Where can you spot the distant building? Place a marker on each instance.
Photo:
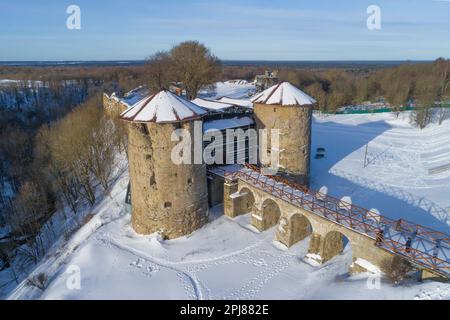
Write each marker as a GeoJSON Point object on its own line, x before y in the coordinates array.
{"type": "Point", "coordinates": [177, 88]}
{"type": "Point", "coordinates": [266, 80]}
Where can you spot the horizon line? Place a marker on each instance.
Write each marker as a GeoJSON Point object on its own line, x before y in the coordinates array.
{"type": "Point", "coordinates": [251, 60]}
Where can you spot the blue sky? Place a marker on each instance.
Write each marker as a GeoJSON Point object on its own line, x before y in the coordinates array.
{"type": "Point", "coordinates": [233, 29]}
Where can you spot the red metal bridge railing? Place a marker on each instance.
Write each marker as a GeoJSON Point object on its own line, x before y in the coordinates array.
{"type": "Point", "coordinates": [424, 246]}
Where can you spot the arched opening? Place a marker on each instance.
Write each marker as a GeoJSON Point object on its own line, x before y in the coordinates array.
{"type": "Point", "coordinates": [246, 201]}
{"type": "Point", "coordinates": [335, 243]}
{"type": "Point", "coordinates": [271, 213]}
{"type": "Point", "coordinates": [300, 228]}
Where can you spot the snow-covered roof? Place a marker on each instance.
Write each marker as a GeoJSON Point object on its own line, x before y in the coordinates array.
{"type": "Point", "coordinates": [284, 94]}
{"type": "Point", "coordinates": [212, 104]}
{"type": "Point", "coordinates": [132, 97]}
{"type": "Point", "coordinates": [238, 102]}
{"type": "Point", "coordinates": [222, 124]}
{"type": "Point", "coordinates": [161, 107]}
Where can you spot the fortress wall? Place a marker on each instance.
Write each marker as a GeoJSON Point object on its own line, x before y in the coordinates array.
{"type": "Point", "coordinates": [294, 123]}
{"type": "Point", "coordinates": [166, 197]}
{"type": "Point", "coordinates": [112, 106]}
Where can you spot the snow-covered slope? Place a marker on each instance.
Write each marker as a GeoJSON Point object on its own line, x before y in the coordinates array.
{"type": "Point", "coordinates": [228, 259]}
{"type": "Point", "coordinates": [396, 178]}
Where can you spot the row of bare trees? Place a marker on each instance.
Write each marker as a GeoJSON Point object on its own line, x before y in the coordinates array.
{"type": "Point", "coordinates": [74, 162]}
{"type": "Point", "coordinates": [79, 152]}
{"type": "Point", "coordinates": [423, 85]}
{"type": "Point", "coordinates": [49, 160]}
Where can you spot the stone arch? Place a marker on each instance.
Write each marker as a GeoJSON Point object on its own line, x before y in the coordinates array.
{"type": "Point", "coordinates": [246, 200]}
{"type": "Point", "coordinates": [293, 228]}
{"type": "Point", "coordinates": [299, 227]}
{"type": "Point", "coordinates": [334, 244]}
{"type": "Point", "coordinates": [271, 213]}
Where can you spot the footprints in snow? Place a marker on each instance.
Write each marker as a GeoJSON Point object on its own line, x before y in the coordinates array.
{"type": "Point", "coordinates": [146, 267]}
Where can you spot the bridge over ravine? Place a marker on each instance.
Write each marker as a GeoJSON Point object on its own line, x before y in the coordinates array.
{"type": "Point", "coordinates": [298, 212]}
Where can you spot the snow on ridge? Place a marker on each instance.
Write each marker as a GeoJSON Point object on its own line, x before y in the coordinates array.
{"type": "Point", "coordinates": [284, 94]}
{"type": "Point", "coordinates": [212, 104]}
{"type": "Point", "coordinates": [238, 102]}
{"type": "Point", "coordinates": [221, 124]}
{"type": "Point", "coordinates": [134, 96]}
{"type": "Point", "coordinates": [163, 106]}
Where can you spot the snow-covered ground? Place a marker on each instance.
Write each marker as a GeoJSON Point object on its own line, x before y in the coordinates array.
{"type": "Point", "coordinates": [396, 178]}
{"type": "Point", "coordinates": [228, 259]}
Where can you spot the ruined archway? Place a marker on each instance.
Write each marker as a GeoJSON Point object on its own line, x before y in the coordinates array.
{"type": "Point", "coordinates": [334, 244]}
{"type": "Point", "coordinates": [270, 213]}
{"type": "Point", "coordinates": [246, 201]}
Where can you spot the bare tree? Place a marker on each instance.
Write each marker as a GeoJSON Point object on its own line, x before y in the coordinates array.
{"type": "Point", "coordinates": [195, 66]}
{"type": "Point", "coordinates": [31, 210]}
{"type": "Point", "coordinates": [102, 153]}
{"type": "Point", "coordinates": [39, 281]}
{"type": "Point", "coordinates": [82, 151]}
{"type": "Point", "coordinates": [316, 91]}
{"type": "Point", "coordinates": [425, 95]}
{"type": "Point", "coordinates": [442, 69]}
{"type": "Point", "coordinates": [158, 70]}
{"type": "Point", "coordinates": [396, 269]}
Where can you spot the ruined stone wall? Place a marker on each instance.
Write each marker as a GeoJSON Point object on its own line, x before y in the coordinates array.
{"type": "Point", "coordinates": [112, 106]}
{"type": "Point", "coordinates": [165, 197]}
{"type": "Point", "coordinates": [294, 123]}
{"type": "Point", "coordinates": [215, 190]}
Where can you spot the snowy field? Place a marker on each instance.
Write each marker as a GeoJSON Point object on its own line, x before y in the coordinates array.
{"type": "Point", "coordinates": [396, 178]}
{"type": "Point", "coordinates": [237, 89]}
{"type": "Point", "coordinates": [227, 259]}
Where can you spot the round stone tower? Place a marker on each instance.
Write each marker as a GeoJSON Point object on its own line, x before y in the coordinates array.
{"type": "Point", "coordinates": [165, 197]}
{"type": "Point", "coordinates": [288, 109]}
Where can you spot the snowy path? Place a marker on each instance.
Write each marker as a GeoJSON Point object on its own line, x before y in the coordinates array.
{"type": "Point", "coordinates": [192, 280]}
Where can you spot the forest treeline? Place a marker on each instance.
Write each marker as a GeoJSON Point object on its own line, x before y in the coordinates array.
{"type": "Point", "coordinates": [423, 85]}
{"type": "Point", "coordinates": [57, 150]}
{"type": "Point", "coordinates": [74, 160]}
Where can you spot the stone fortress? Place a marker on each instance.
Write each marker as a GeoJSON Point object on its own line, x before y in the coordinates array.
{"type": "Point", "coordinates": [174, 199]}
{"type": "Point", "coordinates": [166, 197]}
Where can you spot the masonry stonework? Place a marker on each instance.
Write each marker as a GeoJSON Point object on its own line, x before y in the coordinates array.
{"type": "Point", "coordinates": [166, 197]}
{"type": "Point", "coordinates": [112, 106]}
{"type": "Point", "coordinates": [295, 224]}
{"type": "Point", "coordinates": [294, 123]}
